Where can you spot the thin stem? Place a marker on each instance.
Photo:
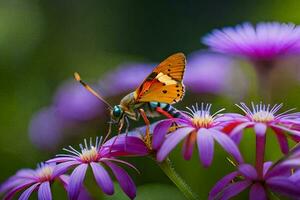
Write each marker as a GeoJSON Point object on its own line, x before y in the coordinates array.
{"type": "Point", "coordinates": [260, 154]}
{"type": "Point", "coordinates": [263, 71]}
{"type": "Point", "coordinates": [169, 170]}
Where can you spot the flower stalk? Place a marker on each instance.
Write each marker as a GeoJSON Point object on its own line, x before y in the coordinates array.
{"type": "Point", "coordinates": [168, 169]}
{"type": "Point", "coordinates": [260, 154]}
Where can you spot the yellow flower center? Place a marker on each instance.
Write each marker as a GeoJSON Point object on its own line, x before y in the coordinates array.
{"type": "Point", "coordinates": [203, 121]}
{"type": "Point", "coordinates": [89, 155]}
{"type": "Point", "coordinates": [263, 116]}
{"type": "Point", "coordinates": [45, 173]}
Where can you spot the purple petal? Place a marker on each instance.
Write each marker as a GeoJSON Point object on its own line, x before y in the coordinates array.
{"type": "Point", "coordinates": [188, 145]}
{"type": "Point", "coordinates": [228, 145]}
{"type": "Point", "coordinates": [171, 141]}
{"type": "Point", "coordinates": [44, 192]}
{"type": "Point", "coordinates": [13, 191]}
{"type": "Point", "coordinates": [296, 177]}
{"type": "Point", "coordinates": [76, 180]}
{"type": "Point", "coordinates": [63, 167]}
{"type": "Point", "coordinates": [26, 194]}
{"type": "Point", "coordinates": [159, 132]}
{"type": "Point", "coordinates": [83, 195]}
{"type": "Point", "coordinates": [257, 192]}
{"type": "Point", "coordinates": [248, 171]}
{"type": "Point", "coordinates": [284, 186]}
{"type": "Point", "coordinates": [240, 128]}
{"type": "Point", "coordinates": [234, 189]}
{"type": "Point", "coordinates": [282, 140]}
{"type": "Point", "coordinates": [278, 170]}
{"type": "Point", "coordinates": [124, 145]}
{"type": "Point", "coordinates": [267, 166]}
{"type": "Point", "coordinates": [102, 178]}
{"type": "Point", "coordinates": [290, 131]}
{"type": "Point", "coordinates": [260, 129]}
{"type": "Point", "coordinates": [205, 143]}
{"type": "Point", "coordinates": [124, 180]}
{"type": "Point", "coordinates": [60, 159]}
{"type": "Point", "coordinates": [10, 183]}
{"type": "Point", "coordinates": [221, 184]}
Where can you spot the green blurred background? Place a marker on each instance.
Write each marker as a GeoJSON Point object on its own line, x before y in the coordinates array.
{"type": "Point", "coordinates": [43, 42]}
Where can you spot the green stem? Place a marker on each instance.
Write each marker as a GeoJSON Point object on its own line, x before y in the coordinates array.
{"type": "Point", "coordinates": [169, 170]}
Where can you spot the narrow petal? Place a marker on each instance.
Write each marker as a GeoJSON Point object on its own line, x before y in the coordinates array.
{"type": "Point", "coordinates": [102, 178]}
{"type": "Point", "coordinates": [63, 167]}
{"type": "Point", "coordinates": [290, 131]}
{"type": "Point", "coordinates": [221, 184]}
{"type": "Point", "coordinates": [44, 192]}
{"type": "Point", "coordinates": [282, 140]}
{"type": "Point", "coordinates": [257, 192]}
{"type": "Point", "coordinates": [83, 195]}
{"type": "Point", "coordinates": [228, 145]}
{"type": "Point", "coordinates": [240, 128]}
{"type": "Point", "coordinates": [296, 177]}
{"type": "Point", "coordinates": [10, 183]}
{"type": "Point", "coordinates": [267, 166]}
{"type": "Point", "coordinates": [188, 145]}
{"type": "Point", "coordinates": [248, 171]}
{"type": "Point", "coordinates": [76, 180]}
{"type": "Point", "coordinates": [124, 180]}
{"type": "Point", "coordinates": [16, 189]}
{"type": "Point", "coordinates": [234, 189]}
{"type": "Point", "coordinates": [159, 132]}
{"type": "Point", "coordinates": [205, 143]}
{"type": "Point", "coordinates": [284, 186]}
{"type": "Point", "coordinates": [171, 141]}
{"type": "Point", "coordinates": [26, 194]}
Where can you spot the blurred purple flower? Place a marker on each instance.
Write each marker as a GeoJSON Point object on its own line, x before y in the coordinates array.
{"type": "Point", "coordinates": [39, 179]}
{"type": "Point", "coordinates": [199, 126]}
{"type": "Point", "coordinates": [74, 102]}
{"type": "Point", "coordinates": [46, 129]}
{"type": "Point", "coordinates": [97, 156]}
{"type": "Point", "coordinates": [262, 117]}
{"type": "Point", "coordinates": [275, 178]}
{"type": "Point", "coordinates": [127, 77]}
{"type": "Point", "coordinates": [213, 73]}
{"type": "Point", "coordinates": [265, 41]}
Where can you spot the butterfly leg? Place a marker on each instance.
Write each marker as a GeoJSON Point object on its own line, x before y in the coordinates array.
{"type": "Point", "coordinates": [147, 122]}
{"type": "Point", "coordinates": [126, 131]}
{"type": "Point", "coordinates": [119, 132]}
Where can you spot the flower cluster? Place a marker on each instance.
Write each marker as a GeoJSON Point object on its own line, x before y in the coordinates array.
{"type": "Point", "coordinates": [197, 127]}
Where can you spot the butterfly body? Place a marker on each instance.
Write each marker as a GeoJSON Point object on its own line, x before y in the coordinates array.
{"type": "Point", "coordinates": [162, 87]}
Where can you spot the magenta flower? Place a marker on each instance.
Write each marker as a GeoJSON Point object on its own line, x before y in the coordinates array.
{"type": "Point", "coordinates": [30, 180]}
{"type": "Point", "coordinates": [262, 117]}
{"type": "Point", "coordinates": [201, 76]}
{"type": "Point", "coordinates": [97, 157]}
{"type": "Point", "coordinates": [265, 41]}
{"type": "Point", "coordinates": [276, 178]}
{"type": "Point", "coordinates": [135, 73]}
{"type": "Point", "coordinates": [198, 126]}
{"type": "Point", "coordinates": [74, 103]}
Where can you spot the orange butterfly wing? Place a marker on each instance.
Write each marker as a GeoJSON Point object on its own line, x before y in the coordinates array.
{"type": "Point", "coordinates": [164, 84]}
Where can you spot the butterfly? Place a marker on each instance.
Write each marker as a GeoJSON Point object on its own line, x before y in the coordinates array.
{"type": "Point", "coordinates": [154, 97]}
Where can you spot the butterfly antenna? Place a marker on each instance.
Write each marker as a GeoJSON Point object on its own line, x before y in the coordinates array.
{"type": "Point", "coordinates": [91, 90]}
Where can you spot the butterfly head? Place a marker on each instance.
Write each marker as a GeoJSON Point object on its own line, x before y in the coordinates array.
{"type": "Point", "coordinates": [117, 113]}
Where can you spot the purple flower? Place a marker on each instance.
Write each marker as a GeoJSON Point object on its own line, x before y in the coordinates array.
{"type": "Point", "coordinates": [201, 74]}
{"type": "Point", "coordinates": [275, 179]}
{"type": "Point", "coordinates": [198, 126]}
{"type": "Point", "coordinates": [46, 124]}
{"type": "Point", "coordinates": [30, 180]}
{"type": "Point", "coordinates": [125, 78]}
{"type": "Point", "coordinates": [97, 157]}
{"type": "Point", "coordinates": [74, 102]}
{"type": "Point", "coordinates": [262, 117]}
{"type": "Point", "coordinates": [265, 41]}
